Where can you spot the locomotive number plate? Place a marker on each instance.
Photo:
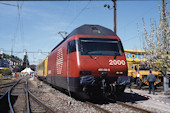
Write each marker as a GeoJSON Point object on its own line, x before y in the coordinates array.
{"type": "Point", "coordinates": [116, 62]}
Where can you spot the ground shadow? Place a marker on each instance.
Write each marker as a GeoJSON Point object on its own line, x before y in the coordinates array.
{"type": "Point", "coordinates": [131, 97]}
{"type": "Point", "coordinates": [4, 105]}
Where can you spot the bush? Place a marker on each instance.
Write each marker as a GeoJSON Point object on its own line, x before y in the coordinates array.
{"type": "Point", "coordinates": [7, 72]}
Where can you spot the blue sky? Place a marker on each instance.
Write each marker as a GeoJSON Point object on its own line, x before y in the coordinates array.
{"type": "Point", "coordinates": [35, 26]}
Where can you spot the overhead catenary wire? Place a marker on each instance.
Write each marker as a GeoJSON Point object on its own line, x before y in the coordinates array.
{"type": "Point", "coordinates": [134, 37]}
{"type": "Point", "coordinates": [61, 18]}
{"type": "Point", "coordinates": [77, 15]}
{"type": "Point", "coordinates": [27, 51]}
{"type": "Point", "coordinates": [8, 4]}
{"type": "Point", "coordinates": [137, 18]}
{"type": "Point", "coordinates": [70, 20]}
{"type": "Point", "coordinates": [73, 18]}
{"type": "Point", "coordinates": [63, 13]}
{"type": "Point", "coordinates": [18, 21]}
{"type": "Point", "coordinates": [20, 26]}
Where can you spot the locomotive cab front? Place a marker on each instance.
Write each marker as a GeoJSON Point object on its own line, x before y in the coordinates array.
{"type": "Point", "coordinates": [101, 65]}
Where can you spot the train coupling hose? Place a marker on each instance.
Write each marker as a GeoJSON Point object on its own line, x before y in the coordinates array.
{"type": "Point", "coordinates": [87, 80]}
{"type": "Point", "coordinates": [123, 80]}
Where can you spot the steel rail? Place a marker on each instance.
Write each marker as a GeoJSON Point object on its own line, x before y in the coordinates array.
{"type": "Point", "coordinates": [133, 107]}
{"type": "Point", "coordinates": [97, 107]}
{"type": "Point", "coordinates": [40, 102]}
{"type": "Point", "coordinates": [9, 94]}
{"type": "Point", "coordinates": [28, 105]}
{"type": "Point", "coordinates": [7, 85]}
{"type": "Point", "coordinates": [1, 97]}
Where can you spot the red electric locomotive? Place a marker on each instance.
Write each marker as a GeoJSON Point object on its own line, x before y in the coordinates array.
{"type": "Point", "coordinates": [90, 61]}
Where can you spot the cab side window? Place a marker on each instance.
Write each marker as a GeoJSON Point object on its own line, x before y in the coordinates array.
{"type": "Point", "coordinates": [71, 46]}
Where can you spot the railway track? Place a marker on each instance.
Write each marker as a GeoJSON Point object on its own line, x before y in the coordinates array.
{"type": "Point", "coordinates": [22, 100]}
{"type": "Point", "coordinates": [139, 110]}
{"type": "Point", "coordinates": [16, 97]}
{"type": "Point", "coordinates": [102, 110]}
{"type": "Point", "coordinates": [7, 84]}
{"type": "Point", "coordinates": [36, 105]}
{"type": "Point", "coordinates": [110, 107]}
{"type": "Point", "coordinates": [5, 87]}
{"type": "Point", "coordinates": [16, 100]}
{"type": "Point", "coordinates": [24, 103]}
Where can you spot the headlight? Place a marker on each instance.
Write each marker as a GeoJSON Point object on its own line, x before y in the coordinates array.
{"type": "Point", "coordinates": [119, 72]}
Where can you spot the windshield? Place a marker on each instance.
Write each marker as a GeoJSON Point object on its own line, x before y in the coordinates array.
{"type": "Point", "coordinates": [92, 46]}
{"type": "Point", "coordinates": [144, 67]}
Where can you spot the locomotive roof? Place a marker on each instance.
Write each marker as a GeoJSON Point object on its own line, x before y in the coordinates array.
{"type": "Point", "coordinates": [92, 30]}
{"type": "Point", "coordinates": [89, 30]}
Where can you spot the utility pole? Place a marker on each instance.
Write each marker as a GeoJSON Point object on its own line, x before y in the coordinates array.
{"type": "Point", "coordinates": [13, 39]}
{"type": "Point", "coordinates": [1, 52]}
{"type": "Point", "coordinates": [12, 63]}
{"type": "Point", "coordinates": [114, 14]}
{"type": "Point", "coordinates": [164, 32]}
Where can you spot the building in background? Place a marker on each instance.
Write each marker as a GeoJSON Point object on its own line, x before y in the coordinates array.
{"type": "Point", "coordinates": [4, 62]}
{"type": "Point", "coordinates": [11, 62]}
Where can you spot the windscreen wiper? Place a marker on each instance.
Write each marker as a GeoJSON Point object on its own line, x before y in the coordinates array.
{"type": "Point", "coordinates": [90, 56]}
{"type": "Point", "coordinates": [115, 56]}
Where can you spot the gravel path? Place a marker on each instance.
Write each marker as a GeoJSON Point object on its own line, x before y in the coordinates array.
{"type": "Point", "coordinates": [149, 102]}
{"type": "Point", "coordinates": [62, 102]}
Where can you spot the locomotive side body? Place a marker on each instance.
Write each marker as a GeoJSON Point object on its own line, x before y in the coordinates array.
{"type": "Point", "coordinates": [57, 66]}
{"type": "Point", "coordinates": [90, 60]}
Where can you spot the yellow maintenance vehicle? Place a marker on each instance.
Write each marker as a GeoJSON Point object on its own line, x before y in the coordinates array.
{"type": "Point", "coordinates": [139, 74]}
{"type": "Point", "coordinates": [139, 71]}
{"type": "Point", "coordinates": [2, 70]}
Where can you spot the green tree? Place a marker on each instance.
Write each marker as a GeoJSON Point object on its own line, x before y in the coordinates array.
{"type": "Point", "coordinates": [156, 45]}
{"type": "Point", "coordinates": [25, 61]}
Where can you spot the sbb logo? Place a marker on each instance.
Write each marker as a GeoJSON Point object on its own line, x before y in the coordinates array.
{"type": "Point", "coordinates": [116, 62]}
